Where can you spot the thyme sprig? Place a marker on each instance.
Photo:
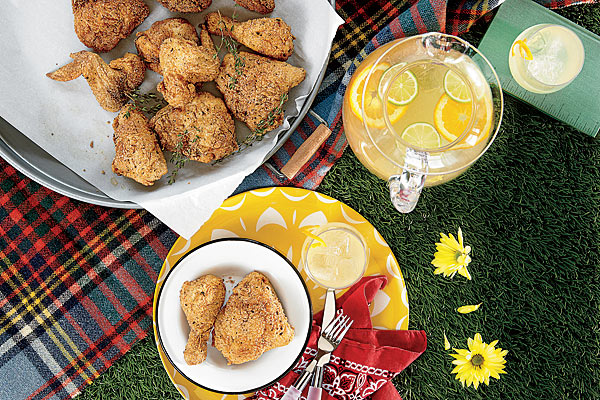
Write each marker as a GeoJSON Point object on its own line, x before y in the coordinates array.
{"type": "Point", "coordinates": [259, 132]}
{"type": "Point", "coordinates": [148, 103]}
{"type": "Point", "coordinates": [177, 158]}
{"type": "Point", "coordinates": [232, 47]}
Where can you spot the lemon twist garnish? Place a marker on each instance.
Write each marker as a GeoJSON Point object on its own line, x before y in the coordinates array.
{"type": "Point", "coordinates": [319, 241]}
{"type": "Point", "coordinates": [524, 50]}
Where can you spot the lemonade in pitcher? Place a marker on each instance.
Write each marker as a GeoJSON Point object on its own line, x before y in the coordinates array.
{"type": "Point", "coordinates": [419, 111]}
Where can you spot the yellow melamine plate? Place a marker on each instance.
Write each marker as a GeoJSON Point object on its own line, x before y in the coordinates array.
{"type": "Point", "coordinates": [276, 216]}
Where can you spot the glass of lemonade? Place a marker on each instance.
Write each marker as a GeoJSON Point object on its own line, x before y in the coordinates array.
{"type": "Point", "coordinates": [419, 111]}
{"type": "Point", "coordinates": [545, 58]}
{"type": "Point", "coordinates": [335, 255]}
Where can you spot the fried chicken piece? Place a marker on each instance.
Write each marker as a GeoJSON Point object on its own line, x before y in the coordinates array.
{"type": "Point", "coordinates": [259, 6]}
{"type": "Point", "coordinates": [270, 37]}
{"type": "Point", "coordinates": [183, 64]}
{"type": "Point", "coordinates": [187, 6]}
{"type": "Point", "coordinates": [258, 90]}
{"type": "Point", "coordinates": [137, 152]}
{"type": "Point", "coordinates": [109, 82]}
{"type": "Point", "coordinates": [101, 24]}
{"type": "Point", "coordinates": [148, 42]}
{"type": "Point", "coordinates": [200, 300]}
{"type": "Point", "coordinates": [202, 130]}
{"type": "Point", "coordinates": [252, 321]}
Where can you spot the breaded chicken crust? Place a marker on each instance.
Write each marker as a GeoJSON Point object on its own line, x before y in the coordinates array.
{"type": "Point", "coordinates": [101, 24]}
{"type": "Point", "coordinates": [253, 321]}
{"type": "Point", "coordinates": [201, 301]}
{"type": "Point", "coordinates": [183, 64]}
{"type": "Point", "coordinates": [259, 6]}
{"type": "Point", "coordinates": [148, 42]}
{"type": "Point", "coordinates": [257, 91]}
{"type": "Point", "coordinates": [110, 83]}
{"type": "Point", "coordinates": [137, 152]}
{"type": "Point", "coordinates": [186, 6]}
{"type": "Point", "coordinates": [201, 130]}
{"type": "Point", "coordinates": [271, 37]}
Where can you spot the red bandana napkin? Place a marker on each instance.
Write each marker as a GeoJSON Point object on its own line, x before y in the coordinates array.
{"type": "Point", "coordinates": [365, 362]}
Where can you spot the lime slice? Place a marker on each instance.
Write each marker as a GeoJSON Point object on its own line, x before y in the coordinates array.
{"type": "Point", "coordinates": [456, 88]}
{"type": "Point", "coordinates": [387, 77]}
{"type": "Point", "coordinates": [403, 90]}
{"type": "Point", "coordinates": [422, 134]}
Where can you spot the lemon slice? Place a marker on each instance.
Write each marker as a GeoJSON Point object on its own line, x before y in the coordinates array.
{"type": "Point", "coordinates": [373, 105]}
{"type": "Point", "coordinates": [387, 77]}
{"type": "Point", "coordinates": [456, 88]}
{"type": "Point", "coordinates": [422, 134]}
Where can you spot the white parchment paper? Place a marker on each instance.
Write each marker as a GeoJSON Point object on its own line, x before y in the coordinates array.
{"type": "Point", "coordinates": [63, 118]}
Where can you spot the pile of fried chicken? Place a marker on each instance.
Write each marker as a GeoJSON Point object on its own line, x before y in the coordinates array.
{"type": "Point", "coordinates": [196, 124]}
{"type": "Point", "coordinates": [253, 320]}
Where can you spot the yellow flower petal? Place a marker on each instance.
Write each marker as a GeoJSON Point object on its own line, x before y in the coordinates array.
{"type": "Point", "coordinates": [468, 309]}
{"type": "Point", "coordinates": [446, 343]}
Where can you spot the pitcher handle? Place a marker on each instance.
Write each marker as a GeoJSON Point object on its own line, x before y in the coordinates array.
{"type": "Point", "coordinates": [405, 188]}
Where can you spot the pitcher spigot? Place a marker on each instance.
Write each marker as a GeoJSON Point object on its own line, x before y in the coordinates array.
{"type": "Point", "coordinates": [405, 188]}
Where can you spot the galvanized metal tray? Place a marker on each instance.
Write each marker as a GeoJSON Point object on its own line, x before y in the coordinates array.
{"type": "Point", "coordinates": [38, 165]}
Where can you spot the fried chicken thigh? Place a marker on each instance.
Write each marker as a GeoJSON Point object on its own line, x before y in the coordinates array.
{"type": "Point", "coordinates": [101, 24]}
{"type": "Point", "coordinates": [187, 6]}
{"type": "Point", "coordinates": [200, 300]}
{"type": "Point", "coordinates": [252, 321]}
{"type": "Point", "coordinates": [258, 90]}
{"type": "Point", "coordinates": [270, 37]}
{"type": "Point", "coordinates": [201, 130]}
{"type": "Point", "coordinates": [148, 42]}
{"type": "Point", "coordinates": [137, 152]}
{"type": "Point", "coordinates": [259, 6]}
{"type": "Point", "coordinates": [183, 64]}
{"type": "Point", "coordinates": [109, 82]}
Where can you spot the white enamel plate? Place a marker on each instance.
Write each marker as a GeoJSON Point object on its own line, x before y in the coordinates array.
{"type": "Point", "coordinates": [232, 259]}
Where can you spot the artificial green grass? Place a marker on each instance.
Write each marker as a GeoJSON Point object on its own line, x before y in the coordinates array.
{"type": "Point", "coordinates": [529, 209]}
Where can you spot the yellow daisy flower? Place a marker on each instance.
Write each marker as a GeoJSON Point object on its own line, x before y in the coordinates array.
{"type": "Point", "coordinates": [452, 256]}
{"type": "Point", "coordinates": [476, 365]}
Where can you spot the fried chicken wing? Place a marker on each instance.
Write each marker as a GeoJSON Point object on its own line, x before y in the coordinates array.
{"type": "Point", "coordinates": [252, 322]}
{"type": "Point", "coordinates": [201, 130]}
{"type": "Point", "coordinates": [101, 24]}
{"type": "Point", "coordinates": [183, 64]}
{"type": "Point", "coordinates": [258, 90]}
{"type": "Point", "coordinates": [137, 152]}
{"type": "Point", "coordinates": [259, 6]}
{"type": "Point", "coordinates": [200, 300]}
{"type": "Point", "coordinates": [148, 42]}
{"type": "Point", "coordinates": [270, 37]}
{"type": "Point", "coordinates": [109, 82]}
{"type": "Point", "coordinates": [187, 6]}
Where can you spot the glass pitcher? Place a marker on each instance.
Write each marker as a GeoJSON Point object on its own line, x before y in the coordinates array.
{"type": "Point", "coordinates": [419, 111]}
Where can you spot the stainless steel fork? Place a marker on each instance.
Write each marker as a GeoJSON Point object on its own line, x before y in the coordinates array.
{"type": "Point", "coordinates": [333, 334]}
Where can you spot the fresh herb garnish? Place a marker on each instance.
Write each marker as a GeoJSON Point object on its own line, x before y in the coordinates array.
{"type": "Point", "coordinates": [148, 103]}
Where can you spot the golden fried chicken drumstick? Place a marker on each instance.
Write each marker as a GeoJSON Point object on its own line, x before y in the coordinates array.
{"type": "Point", "coordinates": [201, 300]}
{"type": "Point", "coordinates": [270, 37]}
{"type": "Point", "coordinates": [137, 152]}
{"type": "Point", "coordinates": [258, 90]}
{"type": "Point", "coordinates": [259, 6]}
{"type": "Point", "coordinates": [148, 42]}
{"type": "Point", "coordinates": [186, 6]}
{"type": "Point", "coordinates": [183, 64]}
{"type": "Point", "coordinates": [201, 130]}
{"type": "Point", "coordinates": [252, 321]}
{"type": "Point", "coordinates": [109, 82]}
{"type": "Point", "coordinates": [101, 24]}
